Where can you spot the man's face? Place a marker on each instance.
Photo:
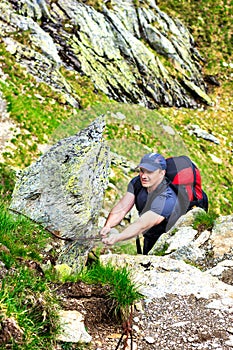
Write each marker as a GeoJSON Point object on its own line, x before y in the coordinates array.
{"type": "Point", "coordinates": [151, 179]}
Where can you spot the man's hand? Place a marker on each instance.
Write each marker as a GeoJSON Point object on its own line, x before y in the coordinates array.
{"type": "Point", "coordinates": [112, 239]}
{"type": "Point", "coordinates": [143, 223]}
{"type": "Point", "coordinates": [105, 230]}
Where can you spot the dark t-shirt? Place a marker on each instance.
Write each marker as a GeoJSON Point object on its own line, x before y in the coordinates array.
{"type": "Point", "coordinates": [164, 204]}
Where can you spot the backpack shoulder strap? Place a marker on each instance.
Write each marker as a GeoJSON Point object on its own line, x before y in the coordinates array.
{"type": "Point", "coordinates": [194, 181]}
{"type": "Point", "coordinates": [160, 189]}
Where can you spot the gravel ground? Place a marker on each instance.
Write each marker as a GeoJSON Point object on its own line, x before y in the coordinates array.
{"type": "Point", "coordinates": [169, 323]}
{"type": "Point", "coordinates": [178, 322]}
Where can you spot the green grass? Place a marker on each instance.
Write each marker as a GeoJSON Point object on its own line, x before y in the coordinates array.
{"type": "Point", "coordinates": [210, 23]}
{"type": "Point", "coordinates": [122, 292]}
{"type": "Point", "coordinates": [25, 295]}
{"type": "Point", "coordinates": [27, 300]}
{"type": "Point", "coordinates": [37, 108]}
{"type": "Point", "coordinates": [20, 237]}
{"type": "Point", "coordinates": [7, 182]}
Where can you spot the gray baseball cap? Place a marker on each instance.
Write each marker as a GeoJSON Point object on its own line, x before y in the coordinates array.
{"type": "Point", "coordinates": [152, 162]}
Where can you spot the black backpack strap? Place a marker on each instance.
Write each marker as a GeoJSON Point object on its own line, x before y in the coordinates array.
{"type": "Point", "coordinates": [200, 203]}
{"type": "Point", "coordinates": [194, 182]}
{"type": "Point", "coordinates": [138, 245]}
{"type": "Point", "coordinates": [137, 188]}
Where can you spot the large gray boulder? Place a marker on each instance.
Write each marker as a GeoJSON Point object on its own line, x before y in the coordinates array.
{"type": "Point", "coordinates": [63, 190]}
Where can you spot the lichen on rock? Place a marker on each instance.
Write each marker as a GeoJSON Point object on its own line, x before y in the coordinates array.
{"type": "Point", "coordinates": [63, 190]}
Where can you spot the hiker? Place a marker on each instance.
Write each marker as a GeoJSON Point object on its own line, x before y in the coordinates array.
{"type": "Point", "coordinates": [157, 204]}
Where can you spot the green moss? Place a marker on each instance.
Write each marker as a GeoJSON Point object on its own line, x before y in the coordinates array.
{"type": "Point", "coordinates": [96, 4]}
{"type": "Point", "coordinates": [173, 232]}
{"type": "Point", "coordinates": [162, 251]}
{"type": "Point", "coordinates": [84, 88]}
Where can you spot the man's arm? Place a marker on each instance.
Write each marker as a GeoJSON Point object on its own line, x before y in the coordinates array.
{"type": "Point", "coordinates": [144, 222]}
{"type": "Point", "coordinates": [118, 212]}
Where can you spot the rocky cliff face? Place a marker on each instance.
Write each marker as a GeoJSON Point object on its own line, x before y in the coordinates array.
{"type": "Point", "coordinates": [133, 54]}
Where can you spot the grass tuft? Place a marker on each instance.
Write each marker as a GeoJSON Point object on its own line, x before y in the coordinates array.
{"type": "Point", "coordinates": [123, 292]}
{"type": "Point", "coordinates": [204, 221]}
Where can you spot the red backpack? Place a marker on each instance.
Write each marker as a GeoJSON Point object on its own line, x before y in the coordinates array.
{"type": "Point", "coordinates": [185, 179]}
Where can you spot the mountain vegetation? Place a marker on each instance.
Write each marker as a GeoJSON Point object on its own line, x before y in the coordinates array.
{"type": "Point", "coordinates": [43, 117]}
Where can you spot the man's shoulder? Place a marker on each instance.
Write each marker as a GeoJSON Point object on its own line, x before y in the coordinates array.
{"type": "Point", "coordinates": [135, 185]}
{"type": "Point", "coordinates": [135, 179]}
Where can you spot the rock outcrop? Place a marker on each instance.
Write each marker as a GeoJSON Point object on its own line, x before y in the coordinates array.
{"type": "Point", "coordinates": [131, 53]}
{"type": "Point", "coordinates": [183, 242]}
{"type": "Point", "coordinates": [63, 190]}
